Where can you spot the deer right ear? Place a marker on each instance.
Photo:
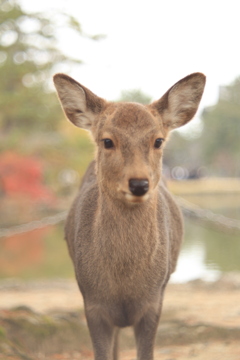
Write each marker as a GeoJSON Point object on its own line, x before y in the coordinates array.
{"type": "Point", "coordinates": [80, 105]}
{"type": "Point", "coordinates": [180, 102]}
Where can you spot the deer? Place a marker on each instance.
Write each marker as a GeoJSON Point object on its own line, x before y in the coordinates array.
{"type": "Point", "coordinates": [124, 230]}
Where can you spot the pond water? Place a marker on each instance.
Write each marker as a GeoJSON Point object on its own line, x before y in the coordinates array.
{"type": "Point", "coordinates": [206, 252]}
{"type": "Point", "coordinates": [209, 251]}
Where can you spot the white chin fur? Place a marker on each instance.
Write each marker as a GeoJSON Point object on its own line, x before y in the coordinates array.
{"type": "Point", "coordinates": [136, 199]}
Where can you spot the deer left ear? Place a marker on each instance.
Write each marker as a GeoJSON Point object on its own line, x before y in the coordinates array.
{"type": "Point", "coordinates": [80, 105]}
{"type": "Point", "coordinates": [180, 102]}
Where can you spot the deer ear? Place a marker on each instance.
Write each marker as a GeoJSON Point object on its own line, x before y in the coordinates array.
{"type": "Point", "coordinates": [80, 105]}
{"type": "Point", "coordinates": [180, 102]}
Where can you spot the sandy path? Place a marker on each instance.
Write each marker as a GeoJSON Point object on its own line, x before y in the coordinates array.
{"type": "Point", "coordinates": [216, 304]}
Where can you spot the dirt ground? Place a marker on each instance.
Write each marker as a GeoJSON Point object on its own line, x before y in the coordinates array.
{"type": "Point", "coordinates": [45, 320]}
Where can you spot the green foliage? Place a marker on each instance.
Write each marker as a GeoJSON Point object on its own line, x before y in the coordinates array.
{"type": "Point", "coordinates": [28, 56]}
{"type": "Point", "coordinates": [217, 149]}
{"type": "Point", "coordinates": [31, 119]}
{"type": "Point", "coordinates": [181, 151]}
{"type": "Point", "coordinates": [2, 333]}
{"type": "Point", "coordinates": [135, 95]}
{"type": "Point", "coordinates": [221, 133]}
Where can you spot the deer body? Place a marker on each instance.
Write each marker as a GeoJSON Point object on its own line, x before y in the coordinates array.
{"type": "Point", "coordinates": [130, 282]}
{"type": "Point", "coordinates": [124, 229]}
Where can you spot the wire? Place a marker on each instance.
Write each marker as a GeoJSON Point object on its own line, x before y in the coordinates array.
{"type": "Point", "coordinates": [189, 209]}
{"type": "Point", "coordinates": [33, 225]}
{"type": "Point", "coordinates": [218, 220]}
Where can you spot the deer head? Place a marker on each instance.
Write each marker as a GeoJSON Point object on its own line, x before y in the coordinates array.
{"type": "Point", "coordinates": [130, 137]}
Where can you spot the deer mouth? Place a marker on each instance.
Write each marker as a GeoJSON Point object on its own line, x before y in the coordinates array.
{"type": "Point", "coordinates": [136, 199]}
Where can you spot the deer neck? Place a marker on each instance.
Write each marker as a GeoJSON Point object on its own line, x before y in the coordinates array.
{"type": "Point", "coordinates": [126, 225]}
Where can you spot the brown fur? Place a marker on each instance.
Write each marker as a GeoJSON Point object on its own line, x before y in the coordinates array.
{"type": "Point", "coordinates": [124, 247]}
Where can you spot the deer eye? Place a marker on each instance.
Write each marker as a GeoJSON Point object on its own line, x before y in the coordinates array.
{"type": "Point", "coordinates": [158, 143]}
{"type": "Point", "coordinates": [108, 143]}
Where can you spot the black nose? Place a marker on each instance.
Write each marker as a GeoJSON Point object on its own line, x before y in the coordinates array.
{"type": "Point", "coordinates": [138, 187]}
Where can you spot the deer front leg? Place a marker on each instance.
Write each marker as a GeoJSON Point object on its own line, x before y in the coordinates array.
{"type": "Point", "coordinates": [102, 335]}
{"type": "Point", "coordinates": [145, 332]}
{"type": "Point", "coordinates": [115, 344]}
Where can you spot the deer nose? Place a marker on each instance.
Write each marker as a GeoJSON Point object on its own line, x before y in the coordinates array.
{"type": "Point", "coordinates": [138, 187]}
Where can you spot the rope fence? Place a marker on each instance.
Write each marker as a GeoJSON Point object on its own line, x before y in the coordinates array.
{"type": "Point", "coordinates": [33, 225]}
{"type": "Point", "coordinates": [219, 221]}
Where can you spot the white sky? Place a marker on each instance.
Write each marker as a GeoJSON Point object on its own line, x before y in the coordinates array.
{"type": "Point", "coordinates": [152, 44]}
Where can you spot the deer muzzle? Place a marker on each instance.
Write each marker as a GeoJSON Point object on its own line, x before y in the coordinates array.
{"type": "Point", "coordinates": [138, 187]}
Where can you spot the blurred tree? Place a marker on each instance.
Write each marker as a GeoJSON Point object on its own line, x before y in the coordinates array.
{"type": "Point", "coordinates": [135, 95]}
{"type": "Point", "coordinates": [184, 152]}
{"type": "Point", "coordinates": [216, 150]}
{"type": "Point", "coordinates": [28, 57]}
{"type": "Point", "coordinates": [221, 132]}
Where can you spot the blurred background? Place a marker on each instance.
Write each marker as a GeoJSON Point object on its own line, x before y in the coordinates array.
{"type": "Point", "coordinates": [129, 50]}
